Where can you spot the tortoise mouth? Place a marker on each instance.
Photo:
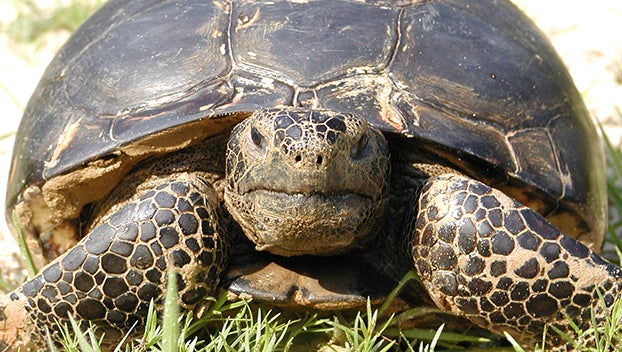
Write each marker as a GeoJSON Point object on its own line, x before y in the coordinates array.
{"type": "Point", "coordinates": [305, 196]}
{"type": "Point", "coordinates": [305, 223]}
{"type": "Point", "coordinates": [307, 190]}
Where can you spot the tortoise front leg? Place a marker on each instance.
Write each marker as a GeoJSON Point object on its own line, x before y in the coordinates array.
{"type": "Point", "coordinates": [112, 274]}
{"type": "Point", "coordinates": [484, 256]}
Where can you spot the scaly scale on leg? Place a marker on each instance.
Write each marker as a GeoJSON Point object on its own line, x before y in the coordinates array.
{"type": "Point", "coordinates": [110, 277]}
{"type": "Point", "coordinates": [485, 256]}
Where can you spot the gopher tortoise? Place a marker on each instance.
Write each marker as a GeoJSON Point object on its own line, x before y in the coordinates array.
{"type": "Point", "coordinates": [308, 154]}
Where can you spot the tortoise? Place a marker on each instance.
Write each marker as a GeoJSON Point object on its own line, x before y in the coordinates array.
{"type": "Point", "coordinates": [308, 155]}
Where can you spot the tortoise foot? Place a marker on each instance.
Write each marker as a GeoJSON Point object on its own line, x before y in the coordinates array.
{"type": "Point", "coordinates": [111, 275]}
{"type": "Point", "coordinates": [485, 256]}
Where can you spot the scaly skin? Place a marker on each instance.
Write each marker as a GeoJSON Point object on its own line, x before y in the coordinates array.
{"type": "Point", "coordinates": [170, 222]}
{"type": "Point", "coordinates": [307, 182]}
{"type": "Point", "coordinates": [488, 258]}
{"type": "Point", "coordinates": [312, 182]}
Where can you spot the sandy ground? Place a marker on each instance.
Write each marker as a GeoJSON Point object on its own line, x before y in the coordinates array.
{"type": "Point", "coordinates": [587, 36]}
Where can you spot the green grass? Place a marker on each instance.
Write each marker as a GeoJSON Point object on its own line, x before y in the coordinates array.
{"type": "Point", "coordinates": [235, 326]}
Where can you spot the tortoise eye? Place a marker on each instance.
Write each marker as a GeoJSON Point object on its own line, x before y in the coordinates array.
{"type": "Point", "coordinates": [257, 138]}
{"type": "Point", "coordinates": [360, 147]}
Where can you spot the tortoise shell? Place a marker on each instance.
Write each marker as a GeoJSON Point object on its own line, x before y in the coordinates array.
{"type": "Point", "coordinates": [473, 83]}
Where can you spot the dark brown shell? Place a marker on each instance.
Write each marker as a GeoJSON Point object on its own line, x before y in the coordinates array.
{"type": "Point", "coordinates": [472, 81]}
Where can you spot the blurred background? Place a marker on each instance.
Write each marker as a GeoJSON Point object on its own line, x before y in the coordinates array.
{"type": "Point", "coordinates": [588, 36]}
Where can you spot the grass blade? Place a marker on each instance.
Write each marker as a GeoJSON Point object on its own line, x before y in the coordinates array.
{"type": "Point", "coordinates": [23, 247]}
{"type": "Point", "coordinates": [170, 319]}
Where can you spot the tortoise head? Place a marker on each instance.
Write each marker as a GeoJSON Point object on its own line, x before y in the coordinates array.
{"type": "Point", "coordinates": [307, 181]}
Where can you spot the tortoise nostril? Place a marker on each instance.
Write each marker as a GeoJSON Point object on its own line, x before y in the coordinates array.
{"type": "Point", "coordinates": [319, 160]}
